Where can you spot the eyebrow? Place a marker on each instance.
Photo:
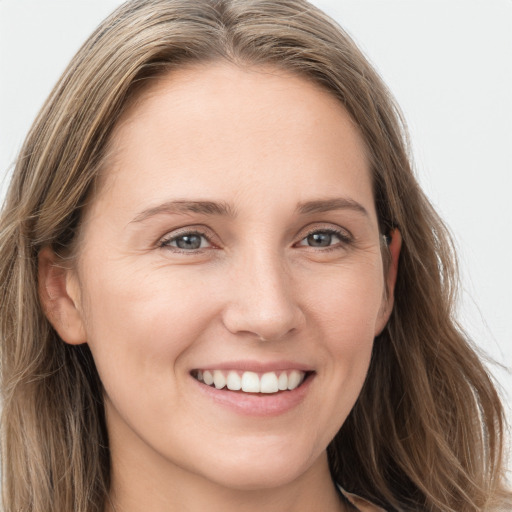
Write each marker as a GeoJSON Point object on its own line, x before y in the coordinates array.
{"type": "Point", "coordinates": [183, 206]}
{"type": "Point", "coordinates": [327, 205]}
{"type": "Point", "coordinates": [225, 209]}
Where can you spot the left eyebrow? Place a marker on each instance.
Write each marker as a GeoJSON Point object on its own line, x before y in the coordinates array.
{"type": "Point", "coordinates": [326, 205]}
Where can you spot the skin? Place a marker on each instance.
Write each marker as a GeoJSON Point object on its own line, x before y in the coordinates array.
{"type": "Point", "coordinates": [262, 142]}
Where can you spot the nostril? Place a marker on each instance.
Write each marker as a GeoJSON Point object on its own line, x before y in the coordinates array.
{"type": "Point", "coordinates": [267, 315]}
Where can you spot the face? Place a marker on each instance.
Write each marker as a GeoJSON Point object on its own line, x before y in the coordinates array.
{"type": "Point", "coordinates": [233, 239]}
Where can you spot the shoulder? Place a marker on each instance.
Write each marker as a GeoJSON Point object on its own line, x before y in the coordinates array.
{"type": "Point", "coordinates": [359, 503]}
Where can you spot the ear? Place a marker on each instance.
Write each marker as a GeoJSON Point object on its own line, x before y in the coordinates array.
{"type": "Point", "coordinates": [59, 294]}
{"type": "Point", "coordinates": [394, 247]}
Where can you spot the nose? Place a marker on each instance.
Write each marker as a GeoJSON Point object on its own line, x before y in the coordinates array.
{"type": "Point", "coordinates": [262, 299]}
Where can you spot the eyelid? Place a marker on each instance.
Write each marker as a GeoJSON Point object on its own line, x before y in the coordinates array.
{"type": "Point", "coordinates": [344, 234]}
{"type": "Point", "coordinates": [163, 242]}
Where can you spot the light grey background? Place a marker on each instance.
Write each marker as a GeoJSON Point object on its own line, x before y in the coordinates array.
{"type": "Point", "coordinates": [448, 62]}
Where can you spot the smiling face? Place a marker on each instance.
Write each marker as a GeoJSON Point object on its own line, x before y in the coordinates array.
{"type": "Point", "coordinates": [234, 239]}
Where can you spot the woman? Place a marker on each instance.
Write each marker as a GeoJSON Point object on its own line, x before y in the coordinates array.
{"type": "Point", "coordinates": [222, 287]}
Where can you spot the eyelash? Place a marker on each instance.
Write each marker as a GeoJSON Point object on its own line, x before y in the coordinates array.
{"type": "Point", "coordinates": [345, 239]}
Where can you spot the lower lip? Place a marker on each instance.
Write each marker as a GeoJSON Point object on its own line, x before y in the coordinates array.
{"type": "Point", "coordinates": [257, 404]}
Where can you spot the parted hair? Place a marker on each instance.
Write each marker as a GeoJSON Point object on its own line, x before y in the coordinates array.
{"type": "Point", "coordinates": [427, 431]}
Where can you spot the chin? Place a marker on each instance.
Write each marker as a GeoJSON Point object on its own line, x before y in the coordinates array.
{"type": "Point", "coordinates": [261, 469]}
{"type": "Point", "coordinates": [251, 478]}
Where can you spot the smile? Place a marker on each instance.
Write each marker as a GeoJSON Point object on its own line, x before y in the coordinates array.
{"type": "Point", "coordinates": [251, 382]}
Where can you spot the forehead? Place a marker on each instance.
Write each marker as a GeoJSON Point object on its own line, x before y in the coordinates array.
{"type": "Point", "coordinates": [219, 128]}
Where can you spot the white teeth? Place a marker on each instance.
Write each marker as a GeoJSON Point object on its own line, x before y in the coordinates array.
{"type": "Point", "coordinates": [218, 379]}
{"type": "Point", "coordinates": [250, 382]}
{"type": "Point", "coordinates": [294, 379]}
{"type": "Point", "coordinates": [208, 377]}
{"type": "Point", "coordinates": [269, 383]}
{"type": "Point", "coordinates": [234, 382]}
{"type": "Point", "coordinates": [282, 383]}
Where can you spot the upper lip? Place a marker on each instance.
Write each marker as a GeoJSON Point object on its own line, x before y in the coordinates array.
{"type": "Point", "coordinates": [256, 366]}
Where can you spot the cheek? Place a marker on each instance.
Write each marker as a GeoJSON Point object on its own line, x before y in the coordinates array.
{"type": "Point", "coordinates": [346, 310]}
{"type": "Point", "coordinates": [349, 300]}
{"type": "Point", "coordinates": [343, 310]}
{"type": "Point", "coordinates": [139, 322]}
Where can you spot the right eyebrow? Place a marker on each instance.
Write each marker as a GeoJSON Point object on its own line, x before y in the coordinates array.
{"type": "Point", "coordinates": [186, 206]}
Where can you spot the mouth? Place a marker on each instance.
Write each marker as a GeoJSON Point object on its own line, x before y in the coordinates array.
{"type": "Point", "coordinates": [252, 382]}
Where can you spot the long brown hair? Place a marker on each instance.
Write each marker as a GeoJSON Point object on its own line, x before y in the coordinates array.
{"type": "Point", "coordinates": [426, 433]}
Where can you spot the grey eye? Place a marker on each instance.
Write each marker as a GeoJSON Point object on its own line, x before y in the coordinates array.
{"type": "Point", "coordinates": [320, 239]}
{"type": "Point", "coordinates": [187, 241]}
{"type": "Point", "coordinates": [323, 239]}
